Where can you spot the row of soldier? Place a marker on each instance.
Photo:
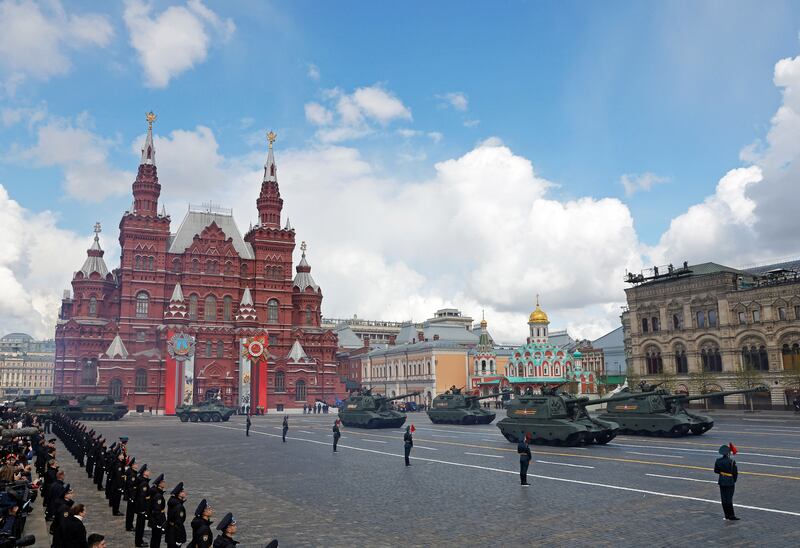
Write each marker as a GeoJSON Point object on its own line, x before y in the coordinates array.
{"type": "Point", "coordinates": [145, 501]}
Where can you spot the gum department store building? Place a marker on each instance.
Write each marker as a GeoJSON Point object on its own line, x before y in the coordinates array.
{"type": "Point", "coordinates": [210, 287]}
{"type": "Point", "coordinates": [717, 320]}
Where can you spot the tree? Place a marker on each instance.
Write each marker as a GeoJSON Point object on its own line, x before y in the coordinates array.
{"type": "Point", "coordinates": [632, 377]}
{"type": "Point", "coordinates": [746, 378]}
{"type": "Point", "coordinates": [667, 380]}
{"type": "Point", "coordinates": [699, 381]}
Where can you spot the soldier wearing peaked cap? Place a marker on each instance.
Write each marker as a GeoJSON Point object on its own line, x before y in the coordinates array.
{"type": "Point", "coordinates": [131, 481]}
{"type": "Point", "coordinates": [176, 517]}
{"type": "Point", "coordinates": [158, 515]}
{"type": "Point", "coordinates": [118, 480]}
{"type": "Point", "coordinates": [728, 474]}
{"type": "Point", "coordinates": [201, 526]}
{"type": "Point", "coordinates": [142, 504]}
{"type": "Point", "coordinates": [228, 527]}
{"type": "Point", "coordinates": [337, 433]}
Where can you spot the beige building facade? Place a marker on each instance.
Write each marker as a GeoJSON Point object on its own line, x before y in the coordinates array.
{"type": "Point", "coordinates": [717, 326]}
{"type": "Point", "coordinates": [26, 366]}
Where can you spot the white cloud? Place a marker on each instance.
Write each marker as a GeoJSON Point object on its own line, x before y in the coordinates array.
{"type": "Point", "coordinates": [37, 38]}
{"type": "Point", "coordinates": [83, 157]}
{"type": "Point", "coordinates": [471, 123]}
{"type": "Point", "coordinates": [455, 99]}
{"type": "Point", "coordinates": [175, 40]}
{"type": "Point", "coordinates": [351, 116]}
{"type": "Point", "coordinates": [30, 278]}
{"type": "Point", "coordinates": [435, 136]}
{"type": "Point", "coordinates": [313, 72]}
{"type": "Point", "coordinates": [635, 182]}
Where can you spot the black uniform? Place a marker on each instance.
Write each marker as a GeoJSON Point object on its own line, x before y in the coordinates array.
{"type": "Point", "coordinates": [118, 480]}
{"type": "Point", "coordinates": [224, 541]}
{"type": "Point", "coordinates": [142, 509]}
{"type": "Point", "coordinates": [524, 460]}
{"type": "Point", "coordinates": [202, 536]}
{"type": "Point", "coordinates": [74, 533]}
{"type": "Point", "coordinates": [131, 482]}
{"type": "Point", "coordinates": [176, 522]}
{"type": "Point", "coordinates": [60, 515]}
{"type": "Point", "coordinates": [728, 474]}
{"type": "Point", "coordinates": [408, 443]}
{"type": "Point", "coordinates": [285, 427]}
{"type": "Point", "coordinates": [158, 516]}
{"type": "Point", "coordinates": [336, 435]}
{"type": "Point", "coordinates": [247, 426]}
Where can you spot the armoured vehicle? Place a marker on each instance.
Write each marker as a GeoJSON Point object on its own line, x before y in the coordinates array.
{"type": "Point", "coordinates": [46, 405]}
{"type": "Point", "coordinates": [453, 407]}
{"type": "Point", "coordinates": [208, 411]}
{"type": "Point", "coordinates": [657, 412]}
{"type": "Point", "coordinates": [556, 418]}
{"type": "Point", "coordinates": [368, 410]}
{"type": "Point", "coordinates": [98, 408]}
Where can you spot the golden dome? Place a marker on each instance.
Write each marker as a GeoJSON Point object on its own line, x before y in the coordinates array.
{"type": "Point", "coordinates": [484, 323]}
{"type": "Point", "coordinates": [538, 316]}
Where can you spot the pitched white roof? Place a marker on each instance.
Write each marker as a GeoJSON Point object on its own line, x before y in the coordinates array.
{"type": "Point", "coordinates": [117, 349]}
{"type": "Point", "coordinates": [196, 220]}
{"type": "Point", "coordinates": [297, 354]}
{"type": "Point", "coordinates": [95, 262]}
{"type": "Point", "coordinates": [177, 293]}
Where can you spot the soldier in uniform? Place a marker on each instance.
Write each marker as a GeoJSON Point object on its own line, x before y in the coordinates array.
{"type": "Point", "coordinates": [142, 505]}
{"type": "Point", "coordinates": [99, 452]}
{"type": "Point", "coordinates": [524, 451]}
{"type": "Point", "coordinates": [158, 511]}
{"type": "Point", "coordinates": [228, 528]}
{"type": "Point", "coordinates": [176, 517]}
{"type": "Point", "coordinates": [408, 443]}
{"type": "Point", "coordinates": [131, 482]}
{"type": "Point", "coordinates": [119, 478]}
{"type": "Point", "coordinates": [248, 423]}
{"type": "Point", "coordinates": [201, 526]}
{"type": "Point", "coordinates": [285, 426]}
{"type": "Point", "coordinates": [59, 516]}
{"type": "Point", "coordinates": [336, 434]}
{"type": "Point", "coordinates": [728, 474]}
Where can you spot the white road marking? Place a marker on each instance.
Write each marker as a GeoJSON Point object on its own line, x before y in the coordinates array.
{"type": "Point", "coordinates": [659, 447]}
{"type": "Point", "coordinates": [679, 478]}
{"type": "Point", "coordinates": [516, 473]}
{"type": "Point", "coordinates": [564, 464]}
{"type": "Point", "coordinates": [305, 432]}
{"type": "Point", "coordinates": [444, 436]}
{"type": "Point", "coordinates": [482, 455]}
{"type": "Point", "coordinates": [498, 439]}
{"type": "Point", "coordinates": [655, 455]}
{"type": "Point", "coordinates": [423, 447]}
{"type": "Point", "coordinates": [374, 441]}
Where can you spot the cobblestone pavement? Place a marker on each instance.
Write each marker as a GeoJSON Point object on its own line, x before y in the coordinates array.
{"type": "Point", "coordinates": [463, 485]}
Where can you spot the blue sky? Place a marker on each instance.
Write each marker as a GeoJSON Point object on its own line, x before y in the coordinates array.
{"type": "Point", "coordinates": [587, 93]}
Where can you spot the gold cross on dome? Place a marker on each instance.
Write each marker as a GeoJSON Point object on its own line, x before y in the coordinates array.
{"type": "Point", "coordinates": [303, 247]}
{"type": "Point", "coordinates": [272, 137]}
{"type": "Point", "coordinates": [150, 117]}
{"type": "Point", "coordinates": [97, 228]}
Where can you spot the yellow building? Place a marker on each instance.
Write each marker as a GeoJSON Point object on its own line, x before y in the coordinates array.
{"type": "Point", "coordinates": [26, 366]}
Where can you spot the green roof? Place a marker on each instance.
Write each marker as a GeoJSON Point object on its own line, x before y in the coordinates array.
{"type": "Point", "coordinates": [516, 380]}
{"type": "Point", "coordinates": [612, 379]}
{"type": "Point", "coordinates": [496, 381]}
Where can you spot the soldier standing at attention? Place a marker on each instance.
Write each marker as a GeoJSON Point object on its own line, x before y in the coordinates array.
{"type": "Point", "coordinates": [201, 526]}
{"type": "Point", "coordinates": [247, 426]}
{"type": "Point", "coordinates": [142, 505]}
{"type": "Point", "coordinates": [524, 451]}
{"type": "Point", "coordinates": [176, 517]}
{"type": "Point", "coordinates": [408, 443]}
{"type": "Point", "coordinates": [726, 468]}
{"type": "Point", "coordinates": [336, 434]}
{"type": "Point", "coordinates": [158, 515]}
{"type": "Point", "coordinates": [285, 426]}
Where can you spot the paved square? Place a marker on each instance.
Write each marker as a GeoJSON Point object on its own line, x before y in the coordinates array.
{"type": "Point", "coordinates": [463, 485]}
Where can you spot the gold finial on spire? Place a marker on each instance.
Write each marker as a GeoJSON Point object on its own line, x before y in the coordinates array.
{"type": "Point", "coordinates": [97, 228]}
{"type": "Point", "coordinates": [303, 247]}
{"type": "Point", "coordinates": [150, 117]}
{"type": "Point", "coordinates": [271, 138]}
{"type": "Point", "coordinates": [537, 299]}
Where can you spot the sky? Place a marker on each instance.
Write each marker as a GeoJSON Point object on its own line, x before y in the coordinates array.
{"type": "Point", "coordinates": [431, 154]}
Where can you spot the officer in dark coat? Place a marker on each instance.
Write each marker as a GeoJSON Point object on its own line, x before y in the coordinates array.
{"type": "Point", "coordinates": [524, 451]}
{"type": "Point", "coordinates": [99, 454]}
{"type": "Point", "coordinates": [142, 505]}
{"type": "Point", "coordinates": [176, 517]}
{"type": "Point", "coordinates": [118, 479]}
{"type": "Point", "coordinates": [248, 423]}
{"type": "Point", "coordinates": [336, 434]}
{"type": "Point", "coordinates": [158, 511]}
{"type": "Point", "coordinates": [60, 515]}
{"type": "Point", "coordinates": [73, 530]}
{"type": "Point", "coordinates": [285, 426]}
{"type": "Point", "coordinates": [131, 482]}
{"type": "Point", "coordinates": [408, 443]}
{"type": "Point", "coordinates": [201, 526]}
{"type": "Point", "coordinates": [726, 468]}
{"type": "Point", "coordinates": [228, 528]}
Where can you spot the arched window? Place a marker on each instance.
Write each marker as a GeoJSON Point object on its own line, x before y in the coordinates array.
{"type": "Point", "coordinates": [208, 349]}
{"type": "Point", "coordinates": [210, 308]}
{"type": "Point", "coordinates": [93, 306]}
{"type": "Point", "coordinates": [755, 358]}
{"type": "Point", "coordinates": [115, 389]}
{"type": "Point", "coordinates": [681, 362]}
{"type": "Point", "coordinates": [176, 265]}
{"type": "Point", "coordinates": [151, 263]}
{"type": "Point", "coordinates": [192, 307]}
{"type": "Point", "coordinates": [483, 366]}
{"type": "Point", "coordinates": [220, 349]}
{"type": "Point", "coordinates": [701, 319]}
{"type": "Point", "coordinates": [227, 307]}
{"type": "Point", "coordinates": [195, 266]}
{"type": "Point", "coordinates": [272, 311]}
{"type": "Point", "coordinates": [142, 304]}
{"type": "Point", "coordinates": [308, 315]}
{"type": "Point", "coordinates": [243, 270]}
{"type": "Point", "coordinates": [711, 359]}
{"type": "Point", "coordinates": [791, 357]}
{"type": "Point", "coordinates": [280, 381]}
{"type": "Point", "coordinates": [89, 371]}
{"type": "Point", "coordinates": [655, 323]}
{"type": "Point", "coordinates": [141, 380]}
{"type": "Point", "coordinates": [644, 325]}
{"type": "Point", "coordinates": [653, 361]}
{"type": "Point", "coordinates": [491, 366]}
{"type": "Point", "coordinates": [300, 391]}
{"type": "Point", "coordinates": [228, 268]}
{"type": "Point", "coordinates": [677, 321]}
{"type": "Point", "coordinates": [520, 370]}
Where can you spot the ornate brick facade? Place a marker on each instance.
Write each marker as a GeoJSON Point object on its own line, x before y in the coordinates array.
{"type": "Point", "coordinates": [205, 280]}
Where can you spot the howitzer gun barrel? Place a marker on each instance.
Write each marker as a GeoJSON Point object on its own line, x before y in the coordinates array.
{"type": "Point", "coordinates": [715, 394]}
{"type": "Point", "coordinates": [485, 397]}
{"type": "Point", "coordinates": [619, 397]}
{"type": "Point", "coordinates": [401, 396]}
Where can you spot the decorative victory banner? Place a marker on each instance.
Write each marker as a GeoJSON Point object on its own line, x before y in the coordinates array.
{"type": "Point", "coordinates": [253, 372]}
{"type": "Point", "coordinates": [180, 371]}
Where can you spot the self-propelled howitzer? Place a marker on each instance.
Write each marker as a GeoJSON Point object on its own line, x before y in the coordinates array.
{"type": "Point", "coordinates": [555, 418]}
{"type": "Point", "coordinates": [449, 408]}
{"type": "Point", "coordinates": [660, 413]}
{"type": "Point", "coordinates": [368, 410]}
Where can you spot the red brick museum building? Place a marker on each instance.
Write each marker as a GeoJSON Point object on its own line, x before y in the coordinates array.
{"type": "Point", "coordinates": [202, 308]}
